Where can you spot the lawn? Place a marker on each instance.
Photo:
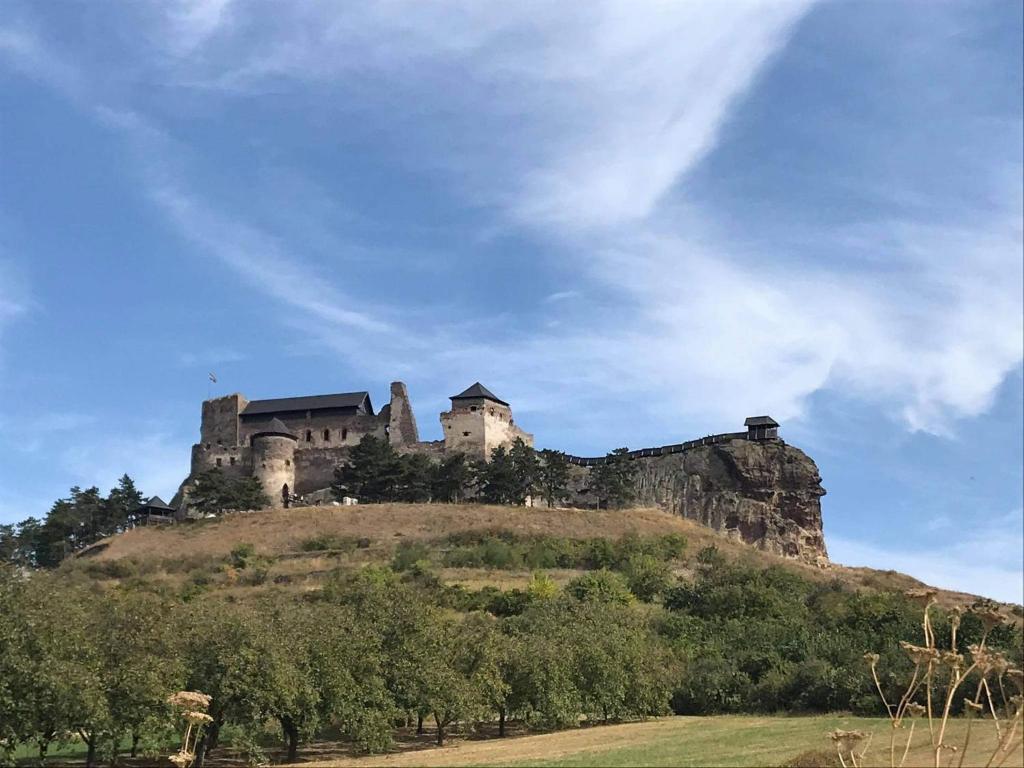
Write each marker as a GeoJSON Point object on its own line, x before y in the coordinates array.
{"type": "Point", "coordinates": [682, 741]}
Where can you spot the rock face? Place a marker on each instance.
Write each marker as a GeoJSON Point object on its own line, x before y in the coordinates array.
{"type": "Point", "coordinates": [765, 493]}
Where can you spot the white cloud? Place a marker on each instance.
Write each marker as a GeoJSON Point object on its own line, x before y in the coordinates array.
{"type": "Point", "coordinates": [981, 559]}
{"type": "Point", "coordinates": [592, 116]}
{"type": "Point", "coordinates": [193, 23]}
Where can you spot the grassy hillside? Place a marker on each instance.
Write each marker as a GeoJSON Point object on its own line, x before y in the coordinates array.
{"type": "Point", "coordinates": [727, 740]}
{"type": "Point", "coordinates": [296, 548]}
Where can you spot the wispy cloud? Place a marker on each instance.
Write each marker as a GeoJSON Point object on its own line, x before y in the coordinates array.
{"type": "Point", "coordinates": [982, 559]}
{"type": "Point", "coordinates": [562, 296]}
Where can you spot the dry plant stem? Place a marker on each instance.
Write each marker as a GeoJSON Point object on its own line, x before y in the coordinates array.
{"type": "Point", "coordinates": [905, 699]}
{"type": "Point", "coordinates": [970, 721]}
{"type": "Point", "coordinates": [906, 748]}
{"type": "Point", "coordinates": [992, 709]}
{"type": "Point", "coordinates": [1011, 749]}
{"type": "Point", "coordinates": [878, 687]}
{"type": "Point", "coordinates": [945, 710]}
{"type": "Point", "coordinates": [1004, 744]}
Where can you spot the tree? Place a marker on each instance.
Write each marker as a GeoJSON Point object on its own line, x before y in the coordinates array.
{"type": "Point", "coordinates": [525, 471]}
{"type": "Point", "coordinates": [613, 481]}
{"type": "Point", "coordinates": [553, 475]}
{"type": "Point", "coordinates": [462, 675]}
{"type": "Point", "coordinates": [496, 479]}
{"type": "Point", "coordinates": [414, 481]}
{"type": "Point", "coordinates": [213, 492]}
{"type": "Point", "coordinates": [450, 478]}
{"type": "Point", "coordinates": [139, 653]}
{"type": "Point", "coordinates": [372, 473]}
{"type": "Point", "coordinates": [121, 503]}
{"type": "Point", "coordinates": [59, 684]}
{"type": "Point", "coordinates": [647, 576]}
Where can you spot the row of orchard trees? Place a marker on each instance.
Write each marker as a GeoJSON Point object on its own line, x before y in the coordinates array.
{"type": "Point", "coordinates": [375, 472]}
{"type": "Point", "coordinates": [97, 665]}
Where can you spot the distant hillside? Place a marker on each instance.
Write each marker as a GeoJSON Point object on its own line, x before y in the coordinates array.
{"type": "Point", "coordinates": [297, 548]}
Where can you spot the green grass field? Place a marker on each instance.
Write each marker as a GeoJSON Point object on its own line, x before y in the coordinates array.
{"type": "Point", "coordinates": [687, 741]}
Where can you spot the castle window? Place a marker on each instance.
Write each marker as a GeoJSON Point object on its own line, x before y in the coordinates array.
{"type": "Point", "coordinates": [309, 435]}
{"type": "Point", "coordinates": [287, 462]}
{"type": "Point", "coordinates": [472, 407]}
{"type": "Point", "coordinates": [232, 460]}
{"type": "Point", "coordinates": [219, 462]}
{"type": "Point", "coordinates": [207, 446]}
{"type": "Point", "coordinates": [465, 434]}
{"type": "Point", "coordinates": [344, 434]}
{"type": "Point", "coordinates": [492, 411]}
{"type": "Point", "coordinates": [327, 435]}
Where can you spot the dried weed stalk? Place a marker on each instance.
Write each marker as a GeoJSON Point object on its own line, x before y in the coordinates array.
{"type": "Point", "coordinates": [938, 675]}
{"type": "Point", "coordinates": [191, 706]}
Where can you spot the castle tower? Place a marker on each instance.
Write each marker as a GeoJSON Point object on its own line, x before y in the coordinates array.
{"type": "Point", "coordinates": [273, 461]}
{"type": "Point", "coordinates": [401, 421]}
{"type": "Point", "coordinates": [479, 422]}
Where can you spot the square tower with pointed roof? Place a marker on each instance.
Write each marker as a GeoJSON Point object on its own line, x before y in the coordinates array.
{"type": "Point", "coordinates": [479, 421]}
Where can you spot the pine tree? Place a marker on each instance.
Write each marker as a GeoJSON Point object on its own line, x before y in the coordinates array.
{"type": "Point", "coordinates": [525, 470]}
{"type": "Point", "coordinates": [613, 480]}
{"type": "Point", "coordinates": [553, 475]}
{"type": "Point", "coordinates": [496, 479]}
{"type": "Point", "coordinates": [372, 472]}
{"type": "Point", "coordinates": [450, 478]}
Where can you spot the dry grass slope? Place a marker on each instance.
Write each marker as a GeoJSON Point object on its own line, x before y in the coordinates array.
{"type": "Point", "coordinates": [280, 534]}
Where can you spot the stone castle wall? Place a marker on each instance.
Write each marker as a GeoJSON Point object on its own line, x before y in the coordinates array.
{"type": "Point", "coordinates": [762, 492]}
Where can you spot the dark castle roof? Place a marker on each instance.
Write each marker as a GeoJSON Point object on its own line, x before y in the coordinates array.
{"type": "Point", "coordinates": [357, 401]}
{"type": "Point", "coordinates": [276, 427]}
{"type": "Point", "coordinates": [478, 390]}
{"type": "Point", "coordinates": [760, 421]}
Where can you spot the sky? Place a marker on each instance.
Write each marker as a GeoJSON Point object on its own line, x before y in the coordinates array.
{"type": "Point", "coordinates": [638, 222]}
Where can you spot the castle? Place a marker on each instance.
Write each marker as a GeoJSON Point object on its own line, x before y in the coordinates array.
{"type": "Point", "coordinates": [749, 485]}
{"type": "Point", "coordinates": [292, 444]}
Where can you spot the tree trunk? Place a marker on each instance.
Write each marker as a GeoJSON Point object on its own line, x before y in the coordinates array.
{"type": "Point", "coordinates": [212, 735]}
{"type": "Point", "coordinates": [43, 746]}
{"type": "Point", "coordinates": [501, 722]}
{"type": "Point", "coordinates": [90, 754]}
{"type": "Point", "coordinates": [440, 730]}
{"type": "Point", "coordinates": [135, 744]}
{"type": "Point", "coordinates": [419, 723]}
{"type": "Point", "coordinates": [291, 734]}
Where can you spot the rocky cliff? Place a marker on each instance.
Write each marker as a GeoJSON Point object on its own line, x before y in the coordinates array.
{"type": "Point", "coordinates": [765, 493]}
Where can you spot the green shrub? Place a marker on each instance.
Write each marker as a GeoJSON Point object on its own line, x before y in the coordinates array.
{"type": "Point", "coordinates": [329, 541]}
{"type": "Point", "coordinates": [602, 586]}
{"type": "Point", "coordinates": [647, 576]}
{"type": "Point", "coordinates": [409, 553]}
{"type": "Point", "coordinates": [241, 554]}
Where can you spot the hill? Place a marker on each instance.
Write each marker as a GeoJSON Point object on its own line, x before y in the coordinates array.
{"type": "Point", "coordinates": [296, 548]}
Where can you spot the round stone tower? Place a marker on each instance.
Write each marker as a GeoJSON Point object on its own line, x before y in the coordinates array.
{"type": "Point", "coordinates": [273, 461]}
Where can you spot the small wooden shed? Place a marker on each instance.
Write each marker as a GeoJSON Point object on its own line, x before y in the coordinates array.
{"type": "Point", "coordinates": [761, 428]}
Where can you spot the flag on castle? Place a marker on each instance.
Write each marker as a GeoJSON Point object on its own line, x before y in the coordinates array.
{"type": "Point", "coordinates": [213, 378]}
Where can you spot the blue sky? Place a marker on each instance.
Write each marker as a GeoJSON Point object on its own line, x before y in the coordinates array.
{"type": "Point", "coordinates": [639, 223]}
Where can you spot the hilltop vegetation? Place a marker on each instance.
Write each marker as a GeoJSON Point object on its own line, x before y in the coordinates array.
{"type": "Point", "coordinates": [352, 620]}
